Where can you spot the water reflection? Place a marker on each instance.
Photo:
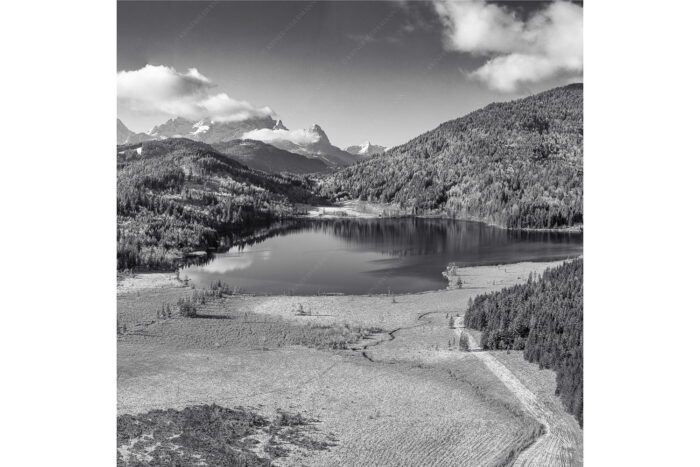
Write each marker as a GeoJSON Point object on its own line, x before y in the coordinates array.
{"type": "Point", "coordinates": [354, 255]}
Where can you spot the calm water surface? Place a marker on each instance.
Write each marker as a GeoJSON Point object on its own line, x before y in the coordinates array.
{"type": "Point", "coordinates": [365, 256]}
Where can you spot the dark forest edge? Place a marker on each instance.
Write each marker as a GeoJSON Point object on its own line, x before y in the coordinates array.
{"type": "Point", "coordinates": [544, 318]}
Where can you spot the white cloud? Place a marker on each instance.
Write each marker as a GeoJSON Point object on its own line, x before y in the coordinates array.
{"type": "Point", "coordinates": [161, 89]}
{"type": "Point", "coordinates": [301, 137]}
{"type": "Point", "coordinates": [222, 108]}
{"type": "Point", "coordinates": [546, 45]}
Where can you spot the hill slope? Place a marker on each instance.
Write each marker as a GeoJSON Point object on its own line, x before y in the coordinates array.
{"type": "Point", "coordinates": [175, 196]}
{"type": "Point", "coordinates": [261, 156]}
{"type": "Point", "coordinates": [517, 164]}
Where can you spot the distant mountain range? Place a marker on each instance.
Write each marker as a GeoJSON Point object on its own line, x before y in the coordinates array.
{"type": "Point", "coordinates": [126, 136]}
{"type": "Point", "coordinates": [208, 131]}
{"type": "Point", "coordinates": [268, 158]}
{"type": "Point", "coordinates": [312, 143]}
{"type": "Point", "coordinates": [365, 149]}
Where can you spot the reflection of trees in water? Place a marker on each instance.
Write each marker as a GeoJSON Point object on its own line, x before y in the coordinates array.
{"type": "Point", "coordinates": [396, 237]}
{"type": "Point", "coordinates": [198, 260]}
{"type": "Point", "coordinates": [401, 236]}
{"type": "Point", "coordinates": [425, 236]}
{"type": "Point", "coordinates": [240, 240]}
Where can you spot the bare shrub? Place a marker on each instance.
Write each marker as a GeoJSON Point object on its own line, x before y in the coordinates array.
{"type": "Point", "coordinates": [187, 307]}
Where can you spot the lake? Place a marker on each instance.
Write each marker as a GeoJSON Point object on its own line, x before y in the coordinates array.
{"type": "Point", "coordinates": [373, 256]}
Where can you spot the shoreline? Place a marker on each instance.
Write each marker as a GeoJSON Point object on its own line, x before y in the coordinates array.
{"type": "Point", "coordinates": [144, 280]}
{"type": "Point", "coordinates": [356, 209]}
{"type": "Point", "coordinates": [347, 210]}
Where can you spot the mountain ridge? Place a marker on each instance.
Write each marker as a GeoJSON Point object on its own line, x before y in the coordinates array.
{"type": "Point", "coordinates": [267, 130]}
{"type": "Point", "coordinates": [516, 164]}
{"type": "Point", "coordinates": [318, 146]}
{"type": "Point", "coordinates": [126, 136]}
{"type": "Point", "coordinates": [268, 158]}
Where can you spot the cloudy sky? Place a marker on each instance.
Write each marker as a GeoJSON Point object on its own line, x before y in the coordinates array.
{"type": "Point", "coordinates": [378, 71]}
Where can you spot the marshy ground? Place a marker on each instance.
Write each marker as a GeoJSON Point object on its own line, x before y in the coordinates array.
{"type": "Point", "coordinates": [379, 380]}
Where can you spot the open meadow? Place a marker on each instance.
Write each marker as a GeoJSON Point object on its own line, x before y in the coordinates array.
{"type": "Point", "coordinates": [378, 379]}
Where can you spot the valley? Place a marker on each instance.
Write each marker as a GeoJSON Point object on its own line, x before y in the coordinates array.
{"type": "Point", "coordinates": [516, 165]}
{"type": "Point", "coordinates": [316, 297]}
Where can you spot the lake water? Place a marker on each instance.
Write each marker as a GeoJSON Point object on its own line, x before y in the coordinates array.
{"type": "Point", "coordinates": [366, 256]}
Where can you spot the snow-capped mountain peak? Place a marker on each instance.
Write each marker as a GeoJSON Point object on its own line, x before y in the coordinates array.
{"type": "Point", "coordinates": [365, 149]}
{"type": "Point", "coordinates": [207, 130]}
{"type": "Point", "coordinates": [323, 138]}
{"type": "Point", "coordinates": [177, 126]}
{"type": "Point", "coordinates": [202, 126]}
{"type": "Point", "coordinates": [312, 142]}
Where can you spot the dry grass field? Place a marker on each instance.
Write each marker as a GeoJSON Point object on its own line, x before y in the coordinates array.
{"type": "Point", "coordinates": [382, 376]}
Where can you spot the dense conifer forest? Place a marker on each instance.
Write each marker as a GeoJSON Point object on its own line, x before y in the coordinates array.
{"type": "Point", "coordinates": [516, 164]}
{"type": "Point", "coordinates": [543, 317]}
{"type": "Point", "coordinates": [176, 196]}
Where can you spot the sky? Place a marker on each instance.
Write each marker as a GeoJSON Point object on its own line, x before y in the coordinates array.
{"type": "Point", "coordinates": [379, 71]}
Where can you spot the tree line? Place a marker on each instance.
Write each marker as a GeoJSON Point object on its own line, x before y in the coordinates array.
{"type": "Point", "coordinates": [544, 318]}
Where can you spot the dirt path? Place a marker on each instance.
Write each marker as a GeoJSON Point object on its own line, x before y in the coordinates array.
{"type": "Point", "coordinates": [554, 447]}
{"type": "Point", "coordinates": [543, 450]}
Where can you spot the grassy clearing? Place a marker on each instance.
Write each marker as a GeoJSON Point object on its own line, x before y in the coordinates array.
{"type": "Point", "coordinates": [212, 435]}
{"type": "Point", "coordinates": [199, 319]}
{"type": "Point", "coordinates": [215, 320]}
{"type": "Point", "coordinates": [249, 330]}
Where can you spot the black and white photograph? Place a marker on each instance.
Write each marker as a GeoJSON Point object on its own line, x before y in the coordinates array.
{"type": "Point", "coordinates": [350, 233]}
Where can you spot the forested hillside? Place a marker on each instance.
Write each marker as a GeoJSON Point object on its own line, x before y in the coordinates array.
{"type": "Point", "coordinates": [175, 196]}
{"type": "Point", "coordinates": [543, 317]}
{"type": "Point", "coordinates": [517, 164]}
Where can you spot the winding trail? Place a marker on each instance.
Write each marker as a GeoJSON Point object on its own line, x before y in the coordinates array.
{"type": "Point", "coordinates": [551, 448]}
{"type": "Point", "coordinates": [548, 448]}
